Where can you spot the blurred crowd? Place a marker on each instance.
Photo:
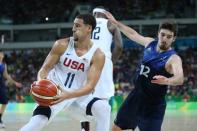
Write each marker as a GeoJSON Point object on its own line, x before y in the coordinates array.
{"type": "Point", "coordinates": [42, 11]}
{"type": "Point", "coordinates": [23, 65]}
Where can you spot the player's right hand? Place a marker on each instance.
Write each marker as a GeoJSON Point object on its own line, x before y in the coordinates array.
{"type": "Point", "coordinates": [59, 98]}
{"type": "Point", "coordinates": [159, 79]}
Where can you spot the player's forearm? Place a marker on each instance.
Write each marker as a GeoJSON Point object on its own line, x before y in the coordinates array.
{"type": "Point", "coordinates": [118, 45]}
{"type": "Point", "coordinates": [126, 30]}
{"type": "Point", "coordinates": [176, 80]}
{"type": "Point", "coordinates": [42, 74]}
{"type": "Point", "coordinates": [81, 92]}
{"type": "Point", "coordinates": [10, 80]}
{"type": "Point", "coordinates": [116, 54]}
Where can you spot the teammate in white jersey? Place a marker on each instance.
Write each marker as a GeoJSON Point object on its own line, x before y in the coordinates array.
{"type": "Point", "coordinates": [75, 65]}
{"type": "Point", "coordinates": [103, 35]}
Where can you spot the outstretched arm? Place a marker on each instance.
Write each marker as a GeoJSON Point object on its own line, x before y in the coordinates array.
{"type": "Point", "coordinates": [92, 78]}
{"type": "Point", "coordinates": [9, 78]}
{"type": "Point", "coordinates": [129, 32]}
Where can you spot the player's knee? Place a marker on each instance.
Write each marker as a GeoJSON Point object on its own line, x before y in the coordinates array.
{"type": "Point", "coordinates": [102, 107]}
{"type": "Point", "coordinates": [116, 128]}
{"type": "Point", "coordinates": [98, 107]}
{"type": "Point", "coordinates": [90, 106]}
{"type": "Point", "coordinates": [43, 110]}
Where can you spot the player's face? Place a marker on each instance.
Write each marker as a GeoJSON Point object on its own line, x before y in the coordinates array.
{"type": "Point", "coordinates": [1, 56]}
{"type": "Point", "coordinates": [80, 30]}
{"type": "Point", "coordinates": [166, 37]}
{"type": "Point", "coordinates": [99, 15]}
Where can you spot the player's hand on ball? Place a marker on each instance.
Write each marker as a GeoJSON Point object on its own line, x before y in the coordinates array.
{"type": "Point", "coordinates": [159, 79]}
{"type": "Point", "coordinates": [63, 96]}
{"type": "Point", "coordinates": [43, 91]}
{"type": "Point", "coordinates": [33, 84]}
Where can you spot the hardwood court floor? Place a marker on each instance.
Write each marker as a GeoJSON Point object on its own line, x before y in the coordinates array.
{"type": "Point", "coordinates": [175, 120]}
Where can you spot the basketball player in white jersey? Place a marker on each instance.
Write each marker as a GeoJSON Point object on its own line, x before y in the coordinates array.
{"type": "Point", "coordinates": [103, 35]}
{"type": "Point", "coordinates": [75, 65]}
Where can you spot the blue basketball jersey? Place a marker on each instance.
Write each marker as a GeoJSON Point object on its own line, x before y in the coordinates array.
{"type": "Point", "coordinates": [153, 63]}
{"type": "Point", "coordinates": [2, 68]}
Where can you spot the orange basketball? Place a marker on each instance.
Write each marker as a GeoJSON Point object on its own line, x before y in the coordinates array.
{"type": "Point", "coordinates": [43, 92]}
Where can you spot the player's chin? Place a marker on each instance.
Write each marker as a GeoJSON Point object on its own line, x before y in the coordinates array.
{"type": "Point", "coordinates": [164, 47]}
{"type": "Point", "coordinates": [75, 38]}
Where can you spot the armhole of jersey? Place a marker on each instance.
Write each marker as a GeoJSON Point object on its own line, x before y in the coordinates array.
{"type": "Point", "coordinates": [94, 51]}
{"type": "Point", "coordinates": [151, 43]}
{"type": "Point", "coordinates": [69, 44]}
{"type": "Point", "coordinates": [68, 47]}
{"type": "Point", "coordinates": [112, 33]}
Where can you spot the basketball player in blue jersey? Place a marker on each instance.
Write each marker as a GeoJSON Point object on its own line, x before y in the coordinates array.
{"type": "Point", "coordinates": [103, 35]}
{"type": "Point", "coordinates": [75, 65]}
{"type": "Point", "coordinates": [160, 66]}
{"type": "Point", "coordinates": [3, 89]}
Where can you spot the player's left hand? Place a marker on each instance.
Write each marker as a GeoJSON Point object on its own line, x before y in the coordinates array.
{"type": "Point", "coordinates": [159, 79]}
{"type": "Point", "coordinates": [63, 96]}
{"type": "Point", "coordinates": [17, 84]}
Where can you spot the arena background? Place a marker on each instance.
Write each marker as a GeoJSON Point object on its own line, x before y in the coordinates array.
{"type": "Point", "coordinates": [28, 29]}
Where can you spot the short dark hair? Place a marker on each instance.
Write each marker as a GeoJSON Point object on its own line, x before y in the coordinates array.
{"type": "Point", "coordinates": [169, 25]}
{"type": "Point", "coordinates": [88, 19]}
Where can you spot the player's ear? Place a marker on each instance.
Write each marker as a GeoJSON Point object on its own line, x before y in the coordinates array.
{"type": "Point", "coordinates": [158, 33]}
{"type": "Point", "coordinates": [174, 39]}
{"type": "Point", "coordinates": [89, 28]}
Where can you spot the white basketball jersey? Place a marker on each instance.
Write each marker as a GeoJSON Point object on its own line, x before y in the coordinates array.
{"type": "Point", "coordinates": [71, 70]}
{"type": "Point", "coordinates": [103, 39]}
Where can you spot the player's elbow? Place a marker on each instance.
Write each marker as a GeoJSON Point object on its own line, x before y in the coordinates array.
{"type": "Point", "coordinates": [180, 81]}
{"type": "Point", "coordinates": [117, 50]}
{"type": "Point", "coordinates": [89, 90]}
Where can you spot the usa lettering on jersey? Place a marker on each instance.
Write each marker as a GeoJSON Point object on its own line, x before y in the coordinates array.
{"type": "Point", "coordinates": [74, 64]}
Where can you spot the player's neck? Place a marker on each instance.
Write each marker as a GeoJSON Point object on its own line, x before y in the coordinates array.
{"type": "Point", "coordinates": [82, 48]}
{"type": "Point", "coordinates": [84, 45]}
{"type": "Point", "coordinates": [161, 50]}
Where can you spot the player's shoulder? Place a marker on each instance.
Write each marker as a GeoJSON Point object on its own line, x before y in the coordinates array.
{"type": "Point", "coordinates": [62, 42]}
{"type": "Point", "coordinates": [148, 41]}
{"type": "Point", "coordinates": [175, 57]}
{"type": "Point", "coordinates": [99, 54]}
{"type": "Point", "coordinates": [60, 45]}
{"type": "Point", "coordinates": [98, 57]}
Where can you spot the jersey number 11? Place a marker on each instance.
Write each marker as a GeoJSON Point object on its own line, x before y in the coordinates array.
{"type": "Point", "coordinates": [69, 80]}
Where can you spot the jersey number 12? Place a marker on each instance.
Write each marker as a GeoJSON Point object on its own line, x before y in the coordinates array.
{"type": "Point", "coordinates": [144, 70]}
{"type": "Point", "coordinates": [95, 34]}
